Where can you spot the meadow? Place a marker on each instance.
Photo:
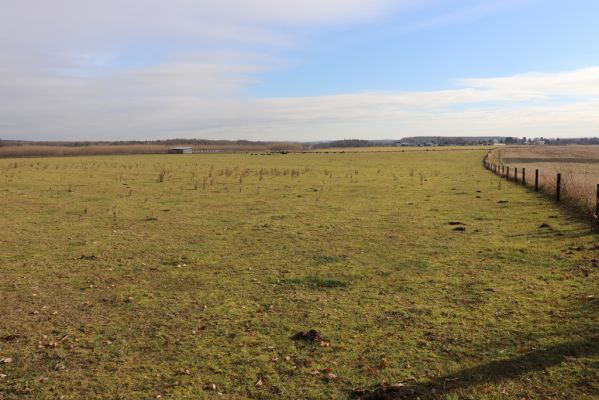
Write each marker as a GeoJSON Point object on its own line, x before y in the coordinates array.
{"type": "Point", "coordinates": [193, 276]}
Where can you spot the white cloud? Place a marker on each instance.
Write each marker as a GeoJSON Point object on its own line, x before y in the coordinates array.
{"type": "Point", "coordinates": [74, 69]}
{"type": "Point", "coordinates": [581, 82]}
{"type": "Point", "coordinates": [75, 21]}
{"type": "Point", "coordinates": [169, 100]}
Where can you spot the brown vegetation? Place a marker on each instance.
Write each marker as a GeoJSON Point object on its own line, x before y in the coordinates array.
{"type": "Point", "coordinates": [578, 166]}
{"type": "Point", "coordinates": [59, 150]}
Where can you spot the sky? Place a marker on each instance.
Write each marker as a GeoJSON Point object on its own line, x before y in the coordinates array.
{"type": "Point", "coordinates": [297, 70]}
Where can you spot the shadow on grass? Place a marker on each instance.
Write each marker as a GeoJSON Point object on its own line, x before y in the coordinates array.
{"type": "Point", "coordinates": [535, 360]}
{"type": "Point", "coordinates": [574, 209]}
{"type": "Point", "coordinates": [491, 372]}
{"type": "Point", "coordinates": [496, 371]}
{"type": "Point", "coordinates": [552, 233]}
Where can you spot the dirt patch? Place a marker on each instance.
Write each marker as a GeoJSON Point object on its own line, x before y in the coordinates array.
{"type": "Point", "coordinates": [312, 336]}
{"type": "Point", "coordinates": [12, 338]}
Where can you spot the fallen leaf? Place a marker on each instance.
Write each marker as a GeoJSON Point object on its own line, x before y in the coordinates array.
{"type": "Point", "coordinates": [523, 349]}
{"type": "Point", "coordinates": [383, 363]}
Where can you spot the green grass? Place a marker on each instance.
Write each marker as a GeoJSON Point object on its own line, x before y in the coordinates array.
{"type": "Point", "coordinates": [200, 281]}
{"type": "Point", "coordinates": [315, 282]}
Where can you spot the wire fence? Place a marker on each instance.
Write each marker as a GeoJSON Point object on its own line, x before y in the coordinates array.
{"type": "Point", "coordinates": [564, 188]}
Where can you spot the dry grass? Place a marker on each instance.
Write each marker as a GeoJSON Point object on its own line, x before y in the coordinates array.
{"type": "Point", "coordinates": [570, 153]}
{"type": "Point", "coordinates": [50, 150]}
{"type": "Point", "coordinates": [578, 166]}
{"type": "Point", "coordinates": [59, 151]}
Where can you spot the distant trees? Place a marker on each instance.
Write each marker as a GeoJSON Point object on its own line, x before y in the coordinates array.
{"type": "Point", "coordinates": [344, 143]}
{"type": "Point", "coordinates": [556, 141]}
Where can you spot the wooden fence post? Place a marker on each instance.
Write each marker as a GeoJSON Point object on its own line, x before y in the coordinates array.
{"type": "Point", "coordinates": [516, 174]}
{"type": "Point", "coordinates": [524, 176]}
{"type": "Point", "coordinates": [536, 180]}
{"type": "Point", "coordinates": [507, 175]}
{"type": "Point", "coordinates": [558, 188]}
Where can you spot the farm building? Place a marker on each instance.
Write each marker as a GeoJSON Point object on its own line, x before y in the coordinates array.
{"type": "Point", "coordinates": [180, 150]}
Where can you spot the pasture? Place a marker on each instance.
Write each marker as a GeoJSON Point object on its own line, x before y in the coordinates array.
{"type": "Point", "coordinates": [187, 277]}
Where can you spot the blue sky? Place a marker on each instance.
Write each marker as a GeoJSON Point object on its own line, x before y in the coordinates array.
{"type": "Point", "coordinates": [283, 70]}
{"type": "Point", "coordinates": [411, 52]}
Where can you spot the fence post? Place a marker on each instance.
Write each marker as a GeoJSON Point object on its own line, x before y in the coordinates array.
{"type": "Point", "coordinates": [524, 176]}
{"type": "Point", "coordinates": [516, 174]}
{"type": "Point", "coordinates": [558, 188]}
{"type": "Point", "coordinates": [507, 175]}
{"type": "Point", "coordinates": [597, 204]}
{"type": "Point", "coordinates": [536, 180]}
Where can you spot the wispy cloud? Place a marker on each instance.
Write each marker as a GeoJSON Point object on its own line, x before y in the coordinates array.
{"type": "Point", "coordinates": [155, 69]}
{"type": "Point", "coordinates": [166, 101]}
{"type": "Point", "coordinates": [454, 15]}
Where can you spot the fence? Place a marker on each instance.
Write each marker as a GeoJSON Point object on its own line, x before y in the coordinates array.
{"type": "Point", "coordinates": [503, 171]}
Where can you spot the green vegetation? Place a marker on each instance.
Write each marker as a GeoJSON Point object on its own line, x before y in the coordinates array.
{"type": "Point", "coordinates": [186, 276]}
{"type": "Point", "coordinates": [315, 282]}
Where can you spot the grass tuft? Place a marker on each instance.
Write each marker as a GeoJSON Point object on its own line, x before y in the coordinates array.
{"type": "Point", "coordinates": [315, 282]}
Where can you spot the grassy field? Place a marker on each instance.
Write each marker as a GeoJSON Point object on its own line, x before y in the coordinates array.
{"type": "Point", "coordinates": [578, 165]}
{"type": "Point", "coordinates": [187, 277]}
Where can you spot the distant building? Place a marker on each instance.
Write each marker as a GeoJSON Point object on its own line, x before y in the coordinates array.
{"type": "Point", "coordinates": [180, 150]}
